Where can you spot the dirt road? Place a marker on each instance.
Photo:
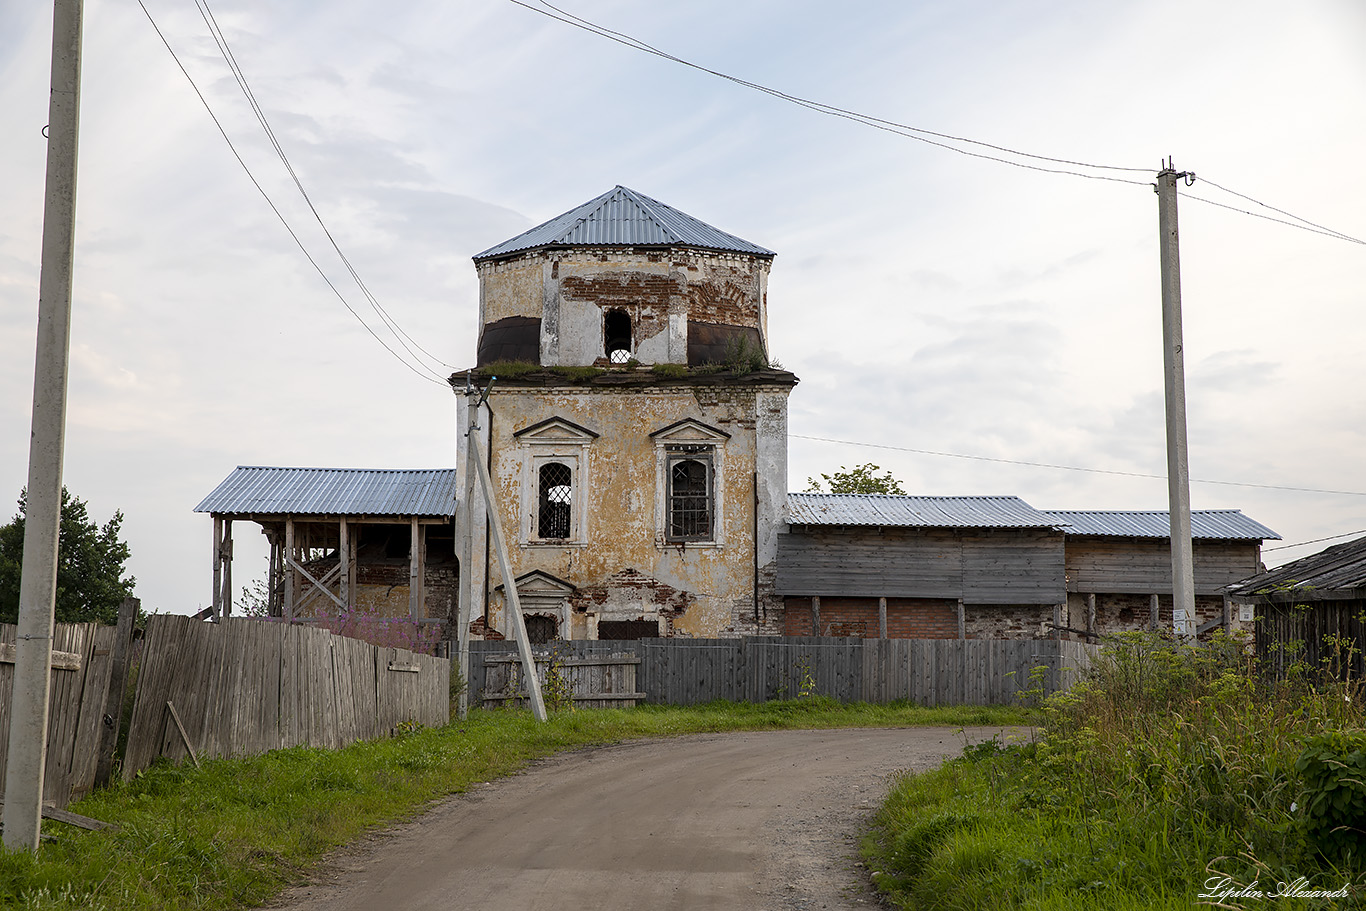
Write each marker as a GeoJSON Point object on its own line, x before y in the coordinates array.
{"type": "Point", "coordinates": [754, 821]}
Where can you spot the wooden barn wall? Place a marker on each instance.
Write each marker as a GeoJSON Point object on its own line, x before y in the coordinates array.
{"type": "Point", "coordinates": [1007, 566]}
{"type": "Point", "coordinates": [1325, 635]}
{"type": "Point", "coordinates": [1141, 566]}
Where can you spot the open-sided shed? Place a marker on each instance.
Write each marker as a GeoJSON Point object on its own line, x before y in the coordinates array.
{"type": "Point", "coordinates": [342, 540]}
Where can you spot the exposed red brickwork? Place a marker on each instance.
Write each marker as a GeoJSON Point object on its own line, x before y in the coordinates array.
{"type": "Point", "coordinates": [1009, 621]}
{"type": "Point", "coordinates": [728, 302]}
{"type": "Point", "coordinates": [907, 618]}
{"type": "Point", "coordinates": [669, 600]}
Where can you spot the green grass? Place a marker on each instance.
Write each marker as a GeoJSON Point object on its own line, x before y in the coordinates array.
{"type": "Point", "coordinates": [1168, 766]}
{"type": "Point", "coordinates": [235, 832]}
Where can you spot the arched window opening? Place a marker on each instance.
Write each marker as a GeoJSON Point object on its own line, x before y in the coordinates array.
{"type": "Point", "coordinates": [555, 500]}
{"type": "Point", "coordinates": [690, 509]}
{"type": "Point", "coordinates": [616, 331]}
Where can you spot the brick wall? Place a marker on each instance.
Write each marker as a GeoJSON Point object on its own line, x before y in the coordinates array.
{"type": "Point", "coordinates": [907, 618]}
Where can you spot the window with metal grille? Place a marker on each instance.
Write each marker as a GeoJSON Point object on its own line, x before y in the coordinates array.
{"type": "Point", "coordinates": [555, 501]}
{"type": "Point", "coordinates": [690, 501]}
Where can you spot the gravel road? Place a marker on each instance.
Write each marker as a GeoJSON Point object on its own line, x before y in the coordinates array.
{"type": "Point", "coordinates": [759, 821]}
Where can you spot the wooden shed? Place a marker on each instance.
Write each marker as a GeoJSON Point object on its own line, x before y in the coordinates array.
{"type": "Point", "coordinates": [881, 566]}
{"type": "Point", "coordinates": [1119, 567]}
{"type": "Point", "coordinates": [1311, 610]}
{"type": "Point", "coordinates": [369, 542]}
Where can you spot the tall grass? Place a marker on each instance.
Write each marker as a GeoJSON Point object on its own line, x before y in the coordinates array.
{"type": "Point", "coordinates": [1167, 768]}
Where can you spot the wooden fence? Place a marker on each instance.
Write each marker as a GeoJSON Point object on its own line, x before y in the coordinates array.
{"type": "Point", "coordinates": [758, 669]}
{"type": "Point", "coordinates": [83, 705]}
{"type": "Point", "coordinates": [590, 680]}
{"type": "Point", "coordinates": [246, 686]}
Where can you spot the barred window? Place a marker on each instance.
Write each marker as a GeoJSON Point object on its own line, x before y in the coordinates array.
{"type": "Point", "coordinates": [690, 498]}
{"type": "Point", "coordinates": [554, 501]}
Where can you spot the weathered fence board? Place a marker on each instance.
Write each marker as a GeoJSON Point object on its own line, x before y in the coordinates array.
{"type": "Point", "coordinates": [246, 686]}
{"type": "Point", "coordinates": [77, 701]}
{"type": "Point", "coordinates": [757, 669]}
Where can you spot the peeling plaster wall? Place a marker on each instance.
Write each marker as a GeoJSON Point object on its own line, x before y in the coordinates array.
{"type": "Point", "coordinates": [570, 290]}
{"type": "Point", "coordinates": [618, 559]}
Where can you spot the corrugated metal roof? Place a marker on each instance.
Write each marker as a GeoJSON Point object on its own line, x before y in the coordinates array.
{"type": "Point", "coordinates": [1341, 567]}
{"type": "Point", "coordinates": [924, 512]}
{"type": "Point", "coordinates": [259, 490]}
{"type": "Point", "coordinates": [622, 217]}
{"type": "Point", "coordinates": [1206, 524]}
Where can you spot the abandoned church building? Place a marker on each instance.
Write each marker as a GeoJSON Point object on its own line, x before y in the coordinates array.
{"type": "Point", "coordinates": [635, 433]}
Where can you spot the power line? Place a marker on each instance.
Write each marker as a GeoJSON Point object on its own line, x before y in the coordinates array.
{"type": "Point", "coordinates": [1109, 471]}
{"type": "Point", "coordinates": [1301, 223]}
{"type": "Point", "coordinates": [1345, 534]}
{"type": "Point", "coordinates": [1322, 229]}
{"type": "Point", "coordinates": [899, 129]}
{"type": "Point", "coordinates": [433, 377]}
{"type": "Point", "coordinates": [226, 51]}
{"type": "Point", "coordinates": [920, 134]}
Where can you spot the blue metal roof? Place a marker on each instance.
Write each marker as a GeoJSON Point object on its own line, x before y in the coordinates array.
{"type": "Point", "coordinates": [258, 490]}
{"type": "Point", "coordinates": [621, 217]}
{"type": "Point", "coordinates": [1207, 524]}
{"type": "Point", "coordinates": [923, 512]}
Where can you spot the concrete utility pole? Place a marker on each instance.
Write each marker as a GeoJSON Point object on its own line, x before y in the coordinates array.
{"type": "Point", "coordinates": [47, 441]}
{"type": "Point", "coordinates": [1174, 366]}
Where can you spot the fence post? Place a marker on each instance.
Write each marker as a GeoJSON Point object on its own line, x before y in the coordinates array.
{"type": "Point", "coordinates": [118, 686]}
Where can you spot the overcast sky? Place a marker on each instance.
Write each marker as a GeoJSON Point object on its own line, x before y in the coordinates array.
{"type": "Point", "coordinates": [927, 300]}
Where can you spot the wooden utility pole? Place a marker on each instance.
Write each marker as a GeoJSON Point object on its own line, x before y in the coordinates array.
{"type": "Point", "coordinates": [514, 606]}
{"type": "Point", "coordinates": [47, 443]}
{"type": "Point", "coordinates": [1174, 385]}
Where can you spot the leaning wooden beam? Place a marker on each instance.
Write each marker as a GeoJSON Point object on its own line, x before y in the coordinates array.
{"type": "Point", "coordinates": [533, 683]}
{"type": "Point", "coordinates": [72, 819]}
{"type": "Point", "coordinates": [184, 738]}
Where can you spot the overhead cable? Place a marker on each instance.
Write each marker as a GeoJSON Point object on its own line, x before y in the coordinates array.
{"type": "Point", "coordinates": [890, 126]}
{"type": "Point", "coordinates": [404, 339]}
{"type": "Point", "coordinates": [429, 376]}
{"type": "Point", "coordinates": [1109, 471]}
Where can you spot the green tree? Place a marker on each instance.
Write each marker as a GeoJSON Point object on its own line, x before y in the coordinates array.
{"type": "Point", "coordinates": [90, 565]}
{"type": "Point", "coordinates": [859, 479]}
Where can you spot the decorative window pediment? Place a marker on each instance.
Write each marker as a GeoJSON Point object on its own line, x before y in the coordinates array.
{"type": "Point", "coordinates": [555, 430]}
{"type": "Point", "coordinates": [689, 431]}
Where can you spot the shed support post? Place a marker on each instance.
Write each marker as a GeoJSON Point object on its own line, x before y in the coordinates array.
{"type": "Point", "coordinates": [217, 604]}
{"type": "Point", "coordinates": [415, 571]}
{"type": "Point", "coordinates": [344, 555]}
{"type": "Point", "coordinates": [816, 615]}
{"type": "Point", "coordinates": [882, 618]}
{"type": "Point", "coordinates": [226, 557]}
{"type": "Point", "coordinates": [1057, 621]}
{"type": "Point", "coordinates": [1228, 614]}
{"type": "Point", "coordinates": [1091, 613]}
{"type": "Point", "coordinates": [291, 574]}
{"type": "Point", "coordinates": [1154, 611]}
{"type": "Point", "coordinates": [962, 620]}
